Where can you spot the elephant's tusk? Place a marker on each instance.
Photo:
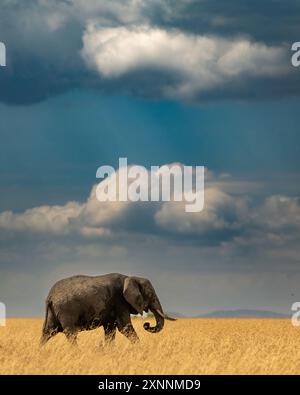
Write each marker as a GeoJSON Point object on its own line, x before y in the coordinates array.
{"type": "Point", "coordinates": [165, 316]}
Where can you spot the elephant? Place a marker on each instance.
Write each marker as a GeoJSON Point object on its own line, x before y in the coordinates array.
{"type": "Point", "coordinates": [82, 302]}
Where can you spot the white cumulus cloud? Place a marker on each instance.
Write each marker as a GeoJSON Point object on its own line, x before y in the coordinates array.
{"type": "Point", "coordinates": [198, 63]}
{"type": "Point", "coordinates": [227, 210]}
{"type": "Point", "coordinates": [221, 212]}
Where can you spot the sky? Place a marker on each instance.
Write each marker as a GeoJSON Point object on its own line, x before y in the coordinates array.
{"type": "Point", "coordinates": [207, 83]}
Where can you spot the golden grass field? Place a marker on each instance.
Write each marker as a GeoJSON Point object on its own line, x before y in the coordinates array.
{"type": "Point", "coordinates": [187, 346]}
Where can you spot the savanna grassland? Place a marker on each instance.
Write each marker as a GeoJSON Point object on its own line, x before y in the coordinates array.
{"type": "Point", "coordinates": [187, 346]}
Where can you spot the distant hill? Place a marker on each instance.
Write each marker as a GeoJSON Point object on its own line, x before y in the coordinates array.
{"type": "Point", "coordinates": [175, 314]}
{"type": "Point", "coordinates": [244, 313]}
{"type": "Point", "coordinates": [239, 313]}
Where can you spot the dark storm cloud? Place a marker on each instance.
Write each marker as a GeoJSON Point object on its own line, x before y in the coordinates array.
{"type": "Point", "coordinates": [271, 21]}
{"type": "Point", "coordinates": [44, 40]}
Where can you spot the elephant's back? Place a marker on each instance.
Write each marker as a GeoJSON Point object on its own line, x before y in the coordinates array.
{"type": "Point", "coordinates": [69, 286]}
{"type": "Point", "coordinates": [82, 288]}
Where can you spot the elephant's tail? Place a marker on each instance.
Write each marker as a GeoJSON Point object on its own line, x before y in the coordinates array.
{"type": "Point", "coordinates": [46, 316]}
{"type": "Point", "coordinates": [51, 321]}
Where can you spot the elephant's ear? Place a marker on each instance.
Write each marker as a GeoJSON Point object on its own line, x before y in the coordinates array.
{"type": "Point", "coordinates": [132, 294]}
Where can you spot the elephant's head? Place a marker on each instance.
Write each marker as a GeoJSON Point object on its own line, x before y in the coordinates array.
{"type": "Point", "coordinates": [140, 294]}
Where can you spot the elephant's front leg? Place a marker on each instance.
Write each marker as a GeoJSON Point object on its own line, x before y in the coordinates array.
{"type": "Point", "coordinates": [130, 333]}
{"type": "Point", "coordinates": [109, 332]}
{"type": "Point", "coordinates": [125, 326]}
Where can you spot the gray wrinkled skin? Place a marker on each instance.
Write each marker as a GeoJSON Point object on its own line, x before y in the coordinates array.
{"type": "Point", "coordinates": [83, 303]}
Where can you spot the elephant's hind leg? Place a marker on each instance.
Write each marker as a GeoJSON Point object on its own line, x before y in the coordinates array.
{"type": "Point", "coordinates": [47, 335]}
{"type": "Point", "coordinates": [71, 336]}
{"type": "Point", "coordinates": [68, 322]}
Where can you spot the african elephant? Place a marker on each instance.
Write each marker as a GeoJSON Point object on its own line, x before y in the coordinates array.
{"type": "Point", "coordinates": [83, 302]}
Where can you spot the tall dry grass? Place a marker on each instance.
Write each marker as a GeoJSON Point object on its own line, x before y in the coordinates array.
{"type": "Point", "coordinates": [195, 346]}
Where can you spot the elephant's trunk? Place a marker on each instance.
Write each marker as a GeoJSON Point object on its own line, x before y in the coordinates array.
{"type": "Point", "coordinates": [156, 309]}
{"type": "Point", "coordinates": [159, 315]}
{"type": "Point", "coordinates": [160, 321]}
